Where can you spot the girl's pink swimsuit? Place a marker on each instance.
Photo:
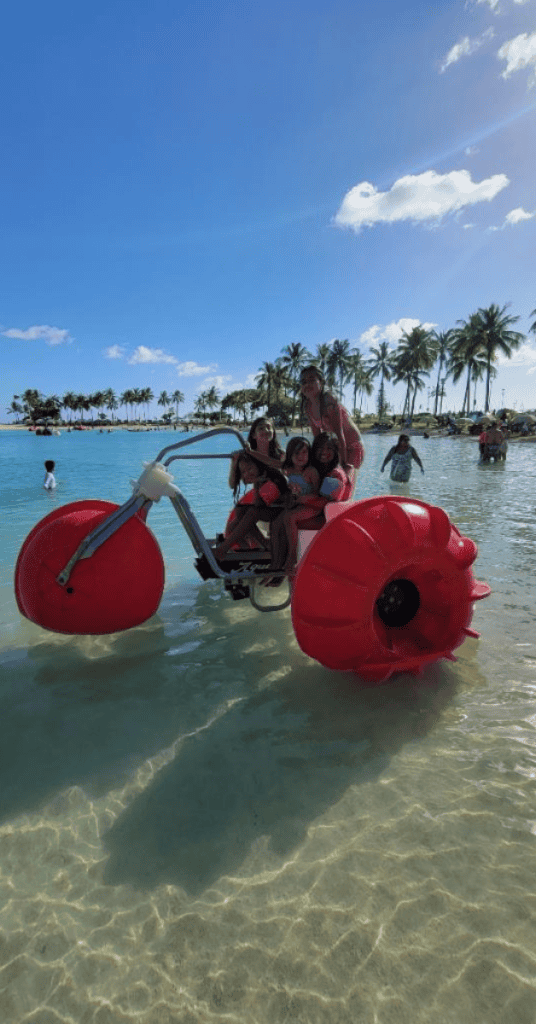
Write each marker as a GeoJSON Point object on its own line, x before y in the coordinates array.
{"type": "Point", "coordinates": [337, 421]}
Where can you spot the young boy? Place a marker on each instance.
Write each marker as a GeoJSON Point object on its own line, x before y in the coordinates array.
{"type": "Point", "coordinates": [49, 482]}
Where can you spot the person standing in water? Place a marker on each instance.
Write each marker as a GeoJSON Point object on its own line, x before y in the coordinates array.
{"type": "Point", "coordinates": [326, 414]}
{"type": "Point", "coordinates": [49, 483]}
{"type": "Point", "coordinates": [401, 456]}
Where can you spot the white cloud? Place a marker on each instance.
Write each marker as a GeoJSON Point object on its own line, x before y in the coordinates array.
{"type": "Point", "coordinates": [494, 4]}
{"type": "Point", "coordinates": [51, 335]}
{"type": "Point", "coordinates": [192, 369]}
{"type": "Point", "coordinates": [471, 150]}
{"type": "Point", "coordinates": [392, 333]}
{"type": "Point", "coordinates": [514, 217]}
{"type": "Point", "coordinates": [416, 197]}
{"type": "Point", "coordinates": [467, 226]}
{"type": "Point", "coordinates": [517, 215]}
{"type": "Point", "coordinates": [465, 48]}
{"type": "Point", "coordinates": [524, 356]}
{"type": "Point", "coordinates": [219, 381]}
{"type": "Point", "coordinates": [519, 53]}
{"type": "Point", "coordinates": [142, 354]}
{"type": "Point", "coordinates": [114, 352]}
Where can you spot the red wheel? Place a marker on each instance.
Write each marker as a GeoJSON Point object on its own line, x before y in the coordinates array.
{"type": "Point", "coordinates": [118, 587]}
{"type": "Point", "coordinates": [385, 587]}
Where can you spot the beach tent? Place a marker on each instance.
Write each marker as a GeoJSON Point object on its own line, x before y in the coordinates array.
{"type": "Point", "coordinates": [524, 417]}
{"type": "Point", "coordinates": [485, 420]}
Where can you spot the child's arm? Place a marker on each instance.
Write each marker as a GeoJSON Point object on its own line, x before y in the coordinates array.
{"type": "Point", "coordinates": [267, 460]}
{"type": "Point", "coordinates": [387, 459]}
{"type": "Point", "coordinates": [417, 459]}
{"type": "Point", "coordinates": [313, 476]}
{"type": "Point", "coordinates": [334, 485]}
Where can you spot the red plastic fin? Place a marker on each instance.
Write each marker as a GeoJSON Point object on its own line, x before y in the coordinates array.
{"type": "Point", "coordinates": [479, 591]}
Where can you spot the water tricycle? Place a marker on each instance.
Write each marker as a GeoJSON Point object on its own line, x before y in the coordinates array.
{"type": "Point", "coordinates": [385, 586]}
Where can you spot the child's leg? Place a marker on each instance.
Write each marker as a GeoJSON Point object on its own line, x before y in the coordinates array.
{"type": "Point", "coordinates": [247, 518]}
{"type": "Point", "coordinates": [291, 526]}
{"type": "Point", "coordinates": [278, 542]}
{"type": "Point", "coordinates": [291, 521]}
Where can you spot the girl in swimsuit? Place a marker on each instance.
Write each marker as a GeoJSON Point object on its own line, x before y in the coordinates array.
{"type": "Point", "coordinates": [325, 413]}
{"type": "Point", "coordinates": [332, 484]}
{"type": "Point", "coordinates": [269, 486]}
{"type": "Point", "coordinates": [262, 443]}
{"type": "Point", "coordinates": [336, 482]}
{"type": "Point", "coordinates": [302, 476]}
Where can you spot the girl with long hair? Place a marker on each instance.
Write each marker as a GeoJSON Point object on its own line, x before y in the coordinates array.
{"type": "Point", "coordinates": [262, 443]}
{"type": "Point", "coordinates": [325, 413]}
{"type": "Point", "coordinates": [269, 487]}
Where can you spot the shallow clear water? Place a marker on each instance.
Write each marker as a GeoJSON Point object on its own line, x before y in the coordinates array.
{"type": "Point", "coordinates": [199, 823]}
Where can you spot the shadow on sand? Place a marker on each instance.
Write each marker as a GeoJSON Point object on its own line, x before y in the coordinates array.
{"type": "Point", "coordinates": [269, 766]}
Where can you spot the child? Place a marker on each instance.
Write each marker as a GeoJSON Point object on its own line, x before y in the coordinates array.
{"type": "Point", "coordinates": [401, 455]}
{"type": "Point", "coordinates": [49, 482]}
{"type": "Point", "coordinates": [325, 413]}
{"type": "Point", "coordinates": [303, 478]}
{"type": "Point", "coordinates": [335, 483]}
{"type": "Point", "coordinates": [269, 485]}
{"type": "Point", "coordinates": [331, 483]}
{"type": "Point", "coordinates": [262, 443]}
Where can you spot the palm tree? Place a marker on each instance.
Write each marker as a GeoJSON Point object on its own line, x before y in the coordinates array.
{"type": "Point", "coordinates": [177, 398]}
{"type": "Point", "coordinates": [81, 405]}
{"type": "Point", "coordinates": [30, 399]}
{"type": "Point", "coordinates": [532, 327]}
{"type": "Point", "coordinates": [281, 379]}
{"type": "Point", "coordinates": [322, 356]}
{"type": "Point", "coordinates": [265, 380]}
{"type": "Point", "coordinates": [339, 362]}
{"type": "Point", "coordinates": [404, 372]}
{"type": "Point", "coordinates": [381, 365]}
{"type": "Point", "coordinates": [200, 404]}
{"type": "Point", "coordinates": [110, 401]}
{"type": "Point", "coordinates": [212, 398]}
{"type": "Point", "coordinates": [466, 354]}
{"type": "Point", "coordinates": [241, 403]}
{"type": "Point", "coordinates": [69, 402]}
{"type": "Point", "coordinates": [360, 376]}
{"type": "Point", "coordinates": [146, 396]}
{"type": "Point", "coordinates": [126, 400]}
{"type": "Point", "coordinates": [137, 399]}
{"type": "Point", "coordinates": [295, 357]}
{"type": "Point", "coordinates": [415, 355]}
{"type": "Point", "coordinates": [164, 400]}
{"type": "Point", "coordinates": [494, 326]}
{"type": "Point", "coordinates": [15, 409]}
{"type": "Point", "coordinates": [96, 401]}
{"type": "Point", "coordinates": [443, 341]}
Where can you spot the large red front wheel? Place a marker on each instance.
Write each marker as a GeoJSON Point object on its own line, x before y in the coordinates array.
{"type": "Point", "coordinates": [118, 587]}
{"type": "Point", "coordinates": [385, 587]}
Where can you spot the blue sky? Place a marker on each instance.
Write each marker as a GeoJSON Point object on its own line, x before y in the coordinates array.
{"type": "Point", "coordinates": [189, 187]}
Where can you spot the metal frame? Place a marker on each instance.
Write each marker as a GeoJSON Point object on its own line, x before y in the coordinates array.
{"type": "Point", "coordinates": [237, 578]}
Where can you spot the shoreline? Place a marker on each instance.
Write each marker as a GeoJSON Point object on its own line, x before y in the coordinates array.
{"type": "Point", "coordinates": [21, 427]}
